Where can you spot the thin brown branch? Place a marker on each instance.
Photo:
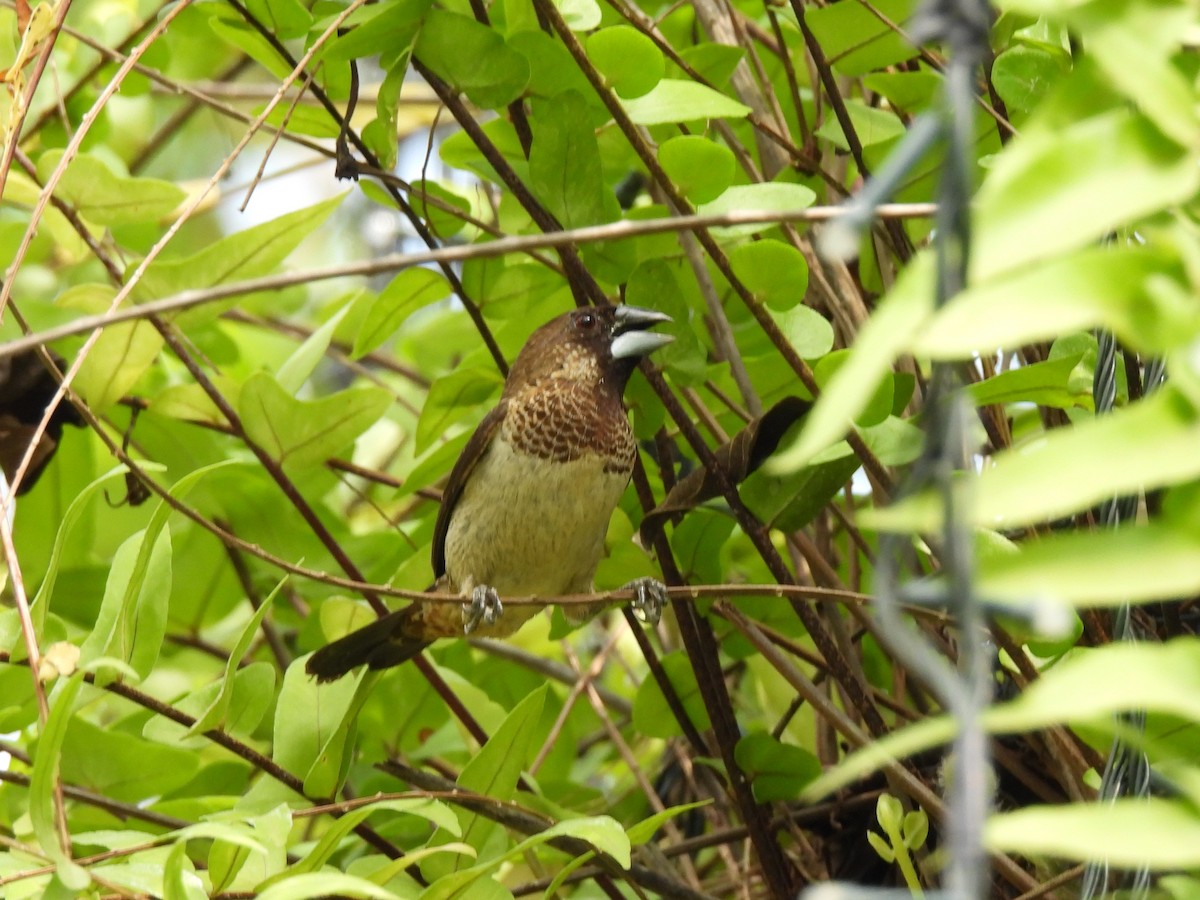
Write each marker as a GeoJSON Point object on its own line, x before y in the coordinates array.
{"type": "Point", "coordinates": [523, 821]}
{"type": "Point", "coordinates": [396, 262]}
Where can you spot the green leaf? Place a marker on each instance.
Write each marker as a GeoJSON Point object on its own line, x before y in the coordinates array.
{"type": "Point", "coordinates": [552, 69]}
{"type": "Point", "coordinates": [630, 62]}
{"type": "Point", "coordinates": [103, 197]}
{"type": "Point", "coordinates": [123, 766]}
{"type": "Point", "coordinates": [561, 876]}
{"type": "Point", "coordinates": [699, 167]}
{"type": "Point", "coordinates": [1046, 383]}
{"type": "Point", "coordinates": [777, 771]}
{"type": "Point", "coordinates": [651, 714]}
{"type": "Point", "coordinates": [512, 290]}
{"type": "Point", "coordinates": [46, 761]}
{"type": "Point", "coordinates": [778, 276]}
{"type": "Point", "coordinates": [310, 733]}
{"type": "Point", "coordinates": [772, 197]}
{"type": "Point", "coordinates": [809, 333]}
{"type": "Point", "coordinates": [286, 19]}
{"type": "Point", "coordinates": [915, 830]}
{"type": "Point", "coordinates": [715, 63]}
{"type": "Point", "coordinates": [119, 357]}
{"type": "Point", "coordinates": [238, 833]}
{"type": "Point", "coordinates": [603, 832]}
{"type": "Point", "coordinates": [1127, 833]}
{"type": "Point", "coordinates": [132, 620]}
{"type": "Point", "coordinates": [396, 867]}
{"type": "Point", "coordinates": [1160, 91]}
{"type": "Point", "coordinates": [459, 150]}
{"type": "Point", "coordinates": [910, 91]}
{"type": "Point", "coordinates": [871, 126]}
{"type": "Point", "coordinates": [430, 810]}
{"type": "Point", "coordinates": [1086, 687]}
{"type": "Point", "coordinates": [881, 846]}
{"type": "Point", "coordinates": [697, 542]}
{"type": "Point", "coordinates": [895, 320]}
{"type": "Point", "coordinates": [410, 290]}
{"type": "Point", "coordinates": [444, 224]}
{"type": "Point", "coordinates": [675, 100]}
{"type": "Point", "coordinates": [1126, 565]}
{"type": "Point", "coordinates": [645, 830]}
{"type": "Point", "coordinates": [306, 120]}
{"type": "Point", "coordinates": [1057, 188]}
{"type": "Point", "coordinates": [247, 254]}
{"type": "Point", "coordinates": [383, 30]}
{"type": "Point", "coordinates": [225, 861]}
{"type": "Point", "coordinates": [136, 611]}
{"type": "Point", "coordinates": [877, 408]}
{"type": "Point", "coordinates": [380, 133]}
{"type": "Point", "coordinates": [889, 813]}
{"type": "Point", "coordinates": [229, 25]}
{"type": "Point", "coordinates": [325, 884]}
{"type": "Point", "coordinates": [894, 441]}
{"type": "Point", "coordinates": [214, 716]}
{"type": "Point", "coordinates": [1113, 287]}
{"type": "Point", "coordinates": [1022, 76]}
{"type": "Point", "coordinates": [857, 39]}
{"type": "Point", "coordinates": [450, 399]}
{"type": "Point", "coordinates": [580, 15]}
{"type": "Point", "coordinates": [1071, 469]}
{"type": "Point", "coordinates": [303, 434]}
{"type": "Point", "coordinates": [235, 841]}
{"type": "Point", "coordinates": [66, 526]}
{"type": "Point", "coordinates": [1100, 681]}
{"type": "Point", "coordinates": [564, 162]}
{"type": "Point", "coordinates": [495, 770]}
{"type": "Point", "coordinates": [300, 365]}
{"type": "Point", "coordinates": [792, 501]}
{"type": "Point", "coordinates": [174, 886]}
{"type": "Point", "coordinates": [251, 693]}
{"type": "Point", "coordinates": [472, 58]}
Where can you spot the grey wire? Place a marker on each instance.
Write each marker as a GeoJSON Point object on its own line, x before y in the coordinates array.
{"type": "Point", "coordinates": [1127, 770]}
{"type": "Point", "coordinates": [840, 238]}
{"type": "Point", "coordinates": [965, 692]}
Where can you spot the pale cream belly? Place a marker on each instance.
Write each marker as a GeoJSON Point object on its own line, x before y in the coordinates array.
{"type": "Point", "coordinates": [527, 526]}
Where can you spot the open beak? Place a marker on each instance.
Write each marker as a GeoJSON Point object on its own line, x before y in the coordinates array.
{"type": "Point", "coordinates": [631, 339]}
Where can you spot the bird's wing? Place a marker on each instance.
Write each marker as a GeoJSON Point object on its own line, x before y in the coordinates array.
{"type": "Point", "coordinates": [472, 453]}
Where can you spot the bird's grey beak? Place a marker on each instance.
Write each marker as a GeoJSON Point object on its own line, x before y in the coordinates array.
{"type": "Point", "coordinates": [632, 340]}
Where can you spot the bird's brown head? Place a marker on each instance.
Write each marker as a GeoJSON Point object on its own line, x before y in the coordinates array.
{"type": "Point", "coordinates": [594, 345]}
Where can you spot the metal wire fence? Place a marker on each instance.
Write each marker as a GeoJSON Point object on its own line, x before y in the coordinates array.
{"type": "Point", "coordinates": [965, 690]}
{"type": "Point", "coordinates": [1127, 770]}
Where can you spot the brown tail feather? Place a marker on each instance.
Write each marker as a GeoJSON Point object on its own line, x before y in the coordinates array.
{"type": "Point", "coordinates": [380, 645]}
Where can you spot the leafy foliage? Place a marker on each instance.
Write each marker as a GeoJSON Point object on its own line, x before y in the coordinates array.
{"type": "Point", "coordinates": [284, 377]}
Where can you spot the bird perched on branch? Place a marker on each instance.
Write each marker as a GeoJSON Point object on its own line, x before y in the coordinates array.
{"type": "Point", "coordinates": [527, 505]}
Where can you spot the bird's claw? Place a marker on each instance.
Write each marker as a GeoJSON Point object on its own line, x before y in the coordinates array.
{"type": "Point", "coordinates": [650, 596]}
{"type": "Point", "coordinates": [485, 606]}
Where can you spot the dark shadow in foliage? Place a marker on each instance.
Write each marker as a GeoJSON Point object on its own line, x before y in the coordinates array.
{"type": "Point", "coordinates": [738, 458]}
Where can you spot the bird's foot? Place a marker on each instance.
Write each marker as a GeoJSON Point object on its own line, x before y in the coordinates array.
{"type": "Point", "coordinates": [485, 606]}
{"type": "Point", "coordinates": [650, 596]}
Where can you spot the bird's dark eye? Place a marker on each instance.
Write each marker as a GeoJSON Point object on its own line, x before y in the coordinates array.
{"type": "Point", "coordinates": [586, 321]}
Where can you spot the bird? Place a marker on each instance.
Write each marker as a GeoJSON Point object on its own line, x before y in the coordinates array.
{"type": "Point", "coordinates": [26, 388]}
{"type": "Point", "coordinates": [527, 505]}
